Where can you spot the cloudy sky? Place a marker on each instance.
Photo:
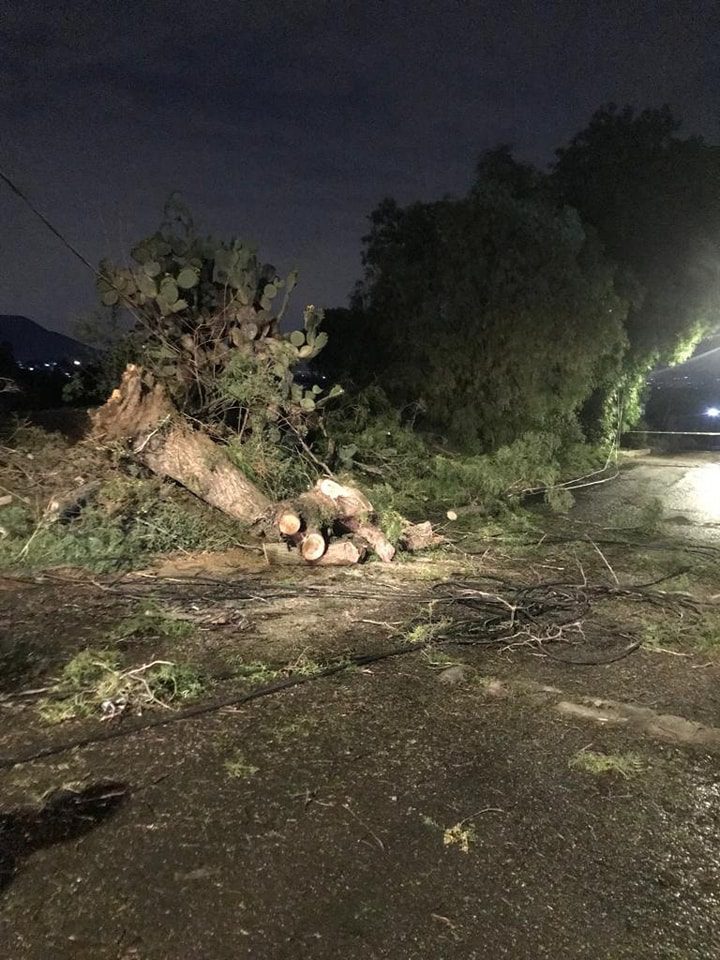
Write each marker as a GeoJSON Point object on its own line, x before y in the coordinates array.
{"type": "Point", "coordinates": [285, 122]}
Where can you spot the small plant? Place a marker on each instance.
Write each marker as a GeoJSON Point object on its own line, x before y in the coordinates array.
{"type": "Point", "coordinates": [426, 633]}
{"type": "Point", "coordinates": [625, 765]}
{"type": "Point", "coordinates": [460, 836]}
{"type": "Point", "coordinates": [151, 623]}
{"type": "Point", "coordinates": [94, 683]}
{"type": "Point", "coordinates": [256, 671]}
{"type": "Point", "coordinates": [239, 769]}
{"type": "Point", "coordinates": [439, 660]}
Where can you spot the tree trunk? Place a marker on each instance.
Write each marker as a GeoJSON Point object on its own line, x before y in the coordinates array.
{"type": "Point", "coordinates": [141, 414]}
{"type": "Point", "coordinates": [139, 411]}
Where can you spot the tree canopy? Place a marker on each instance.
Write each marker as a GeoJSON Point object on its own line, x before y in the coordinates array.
{"type": "Point", "coordinates": [497, 312]}
{"type": "Point", "coordinates": [654, 199]}
{"type": "Point", "coordinates": [538, 298]}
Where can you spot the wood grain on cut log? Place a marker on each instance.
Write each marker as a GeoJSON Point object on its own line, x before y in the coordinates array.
{"type": "Point", "coordinates": [313, 546]}
{"type": "Point", "coordinates": [339, 553]}
{"type": "Point", "coordinates": [288, 522]}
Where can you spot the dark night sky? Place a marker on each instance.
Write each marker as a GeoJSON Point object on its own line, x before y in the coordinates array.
{"type": "Point", "coordinates": [285, 122]}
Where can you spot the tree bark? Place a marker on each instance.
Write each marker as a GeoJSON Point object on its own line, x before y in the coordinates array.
{"type": "Point", "coordinates": [140, 412]}
{"type": "Point", "coordinates": [419, 536]}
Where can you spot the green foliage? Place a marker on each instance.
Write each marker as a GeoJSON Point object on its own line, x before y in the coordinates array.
{"type": "Point", "coordinates": [207, 315]}
{"type": "Point", "coordinates": [681, 634]}
{"type": "Point", "coordinates": [404, 470]}
{"type": "Point", "coordinates": [625, 765]}
{"type": "Point", "coordinates": [151, 623]}
{"type": "Point", "coordinates": [496, 313]}
{"type": "Point", "coordinates": [94, 683]}
{"type": "Point", "coordinates": [239, 768]}
{"type": "Point", "coordinates": [652, 197]}
{"type": "Point", "coordinates": [131, 522]}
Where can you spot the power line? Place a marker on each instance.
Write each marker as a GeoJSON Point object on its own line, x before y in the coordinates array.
{"type": "Point", "coordinates": [41, 216]}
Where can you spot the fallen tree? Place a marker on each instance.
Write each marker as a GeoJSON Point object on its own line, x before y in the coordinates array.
{"type": "Point", "coordinates": [214, 401]}
{"type": "Point", "coordinates": [331, 524]}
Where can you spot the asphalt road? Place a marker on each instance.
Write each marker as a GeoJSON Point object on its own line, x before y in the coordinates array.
{"type": "Point", "coordinates": [685, 485]}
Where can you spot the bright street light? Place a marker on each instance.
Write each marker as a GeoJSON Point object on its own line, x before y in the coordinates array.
{"type": "Point", "coordinates": [712, 412]}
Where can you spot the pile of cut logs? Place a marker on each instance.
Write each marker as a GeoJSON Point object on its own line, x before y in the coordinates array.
{"type": "Point", "coordinates": [332, 525]}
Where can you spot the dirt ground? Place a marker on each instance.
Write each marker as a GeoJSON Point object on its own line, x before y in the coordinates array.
{"type": "Point", "coordinates": [431, 805]}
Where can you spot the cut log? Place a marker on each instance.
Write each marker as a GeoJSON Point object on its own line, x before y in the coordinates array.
{"type": "Point", "coordinates": [283, 553]}
{"type": "Point", "coordinates": [340, 553]}
{"type": "Point", "coordinates": [373, 536]}
{"type": "Point", "coordinates": [313, 546]}
{"type": "Point", "coordinates": [327, 502]}
{"type": "Point", "coordinates": [288, 522]}
{"type": "Point", "coordinates": [348, 501]}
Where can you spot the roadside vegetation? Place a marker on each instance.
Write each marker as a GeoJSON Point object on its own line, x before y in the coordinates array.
{"type": "Point", "coordinates": [495, 348]}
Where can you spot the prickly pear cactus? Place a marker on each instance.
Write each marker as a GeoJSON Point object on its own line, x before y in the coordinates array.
{"type": "Point", "coordinates": [208, 314]}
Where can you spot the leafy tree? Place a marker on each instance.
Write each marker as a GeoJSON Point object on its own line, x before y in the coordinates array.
{"type": "Point", "coordinates": [654, 199]}
{"type": "Point", "coordinates": [497, 312]}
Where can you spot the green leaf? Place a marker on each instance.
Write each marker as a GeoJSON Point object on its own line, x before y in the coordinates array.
{"type": "Point", "coordinates": [307, 404]}
{"type": "Point", "coordinates": [146, 285]}
{"type": "Point", "coordinates": [169, 290]}
{"type": "Point", "coordinates": [187, 278]}
{"type": "Point", "coordinates": [179, 305]}
{"type": "Point", "coordinates": [320, 341]}
{"type": "Point", "coordinates": [110, 297]}
{"type": "Point", "coordinates": [152, 268]}
{"type": "Point", "coordinates": [270, 291]}
{"type": "Point", "coordinates": [297, 338]}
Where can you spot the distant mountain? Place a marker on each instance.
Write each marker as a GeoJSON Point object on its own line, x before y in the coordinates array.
{"type": "Point", "coordinates": [31, 343]}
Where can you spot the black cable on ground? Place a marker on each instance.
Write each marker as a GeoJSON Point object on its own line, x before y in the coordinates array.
{"type": "Point", "coordinates": [128, 728]}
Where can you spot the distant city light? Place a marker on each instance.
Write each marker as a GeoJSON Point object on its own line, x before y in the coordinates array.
{"type": "Point", "coordinates": [712, 412]}
{"type": "Point", "coordinates": [76, 362]}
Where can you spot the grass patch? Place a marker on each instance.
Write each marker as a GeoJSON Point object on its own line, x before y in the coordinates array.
{"type": "Point", "coordinates": [439, 660]}
{"type": "Point", "coordinates": [151, 623]}
{"type": "Point", "coordinates": [460, 836]}
{"type": "Point", "coordinates": [256, 671]}
{"type": "Point", "coordinates": [625, 765]}
{"type": "Point", "coordinates": [94, 683]}
{"type": "Point", "coordinates": [426, 632]}
{"type": "Point", "coordinates": [239, 768]}
{"type": "Point", "coordinates": [701, 635]}
{"type": "Point", "coordinates": [130, 520]}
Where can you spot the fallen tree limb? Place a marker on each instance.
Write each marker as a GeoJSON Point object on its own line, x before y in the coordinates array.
{"type": "Point", "coordinates": [140, 414]}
